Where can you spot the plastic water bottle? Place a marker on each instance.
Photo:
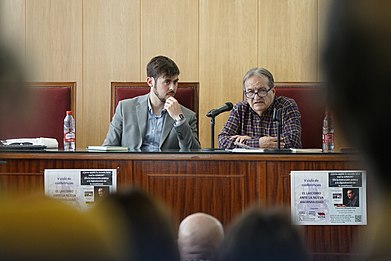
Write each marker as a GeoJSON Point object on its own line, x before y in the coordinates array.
{"type": "Point", "coordinates": [328, 133]}
{"type": "Point", "coordinates": [69, 132]}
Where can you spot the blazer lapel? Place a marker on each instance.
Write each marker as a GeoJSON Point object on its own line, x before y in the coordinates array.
{"type": "Point", "coordinates": [141, 110]}
{"type": "Point", "coordinates": [168, 125]}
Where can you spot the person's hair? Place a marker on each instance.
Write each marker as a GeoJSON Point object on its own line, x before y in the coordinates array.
{"type": "Point", "coordinates": [263, 234]}
{"type": "Point", "coordinates": [261, 72]}
{"type": "Point", "coordinates": [162, 66]}
{"type": "Point", "coordinates": [147, 222]}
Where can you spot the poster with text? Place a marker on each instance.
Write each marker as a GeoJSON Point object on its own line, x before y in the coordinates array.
{"type": "Point", "coordinates": [81, 188]}
{"type": "Point", "coordinates": [336, 197]}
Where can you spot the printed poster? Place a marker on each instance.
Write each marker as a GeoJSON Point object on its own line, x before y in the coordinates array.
{"type": "Point", "coordinates": [336, 197]}
{"type": "Point", "coordinates": [81, 188]}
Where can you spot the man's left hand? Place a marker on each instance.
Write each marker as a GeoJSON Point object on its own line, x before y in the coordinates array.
{"type": "Point", "coordinates": [173, 108]}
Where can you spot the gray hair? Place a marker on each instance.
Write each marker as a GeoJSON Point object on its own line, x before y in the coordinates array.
{"type": "Point", "coordinates": [261, 72]}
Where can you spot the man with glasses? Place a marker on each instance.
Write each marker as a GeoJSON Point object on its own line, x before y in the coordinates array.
{"type": "Point", "coordinates": [251, 122]}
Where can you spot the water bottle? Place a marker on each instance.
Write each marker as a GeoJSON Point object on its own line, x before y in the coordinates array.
{"type": "Point", "coordinates": [328, 133]}
{"type": "Point", "coordinates": [69, 132]}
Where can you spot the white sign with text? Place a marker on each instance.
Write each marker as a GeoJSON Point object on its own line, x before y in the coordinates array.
{"type": "Point", "coordinates": [81, 188]}
{"type": "Point", "coordinates": [335, 197]}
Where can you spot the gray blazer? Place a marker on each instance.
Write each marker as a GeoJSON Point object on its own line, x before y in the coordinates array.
{"type": "Point", "coordinates": [128, 127]}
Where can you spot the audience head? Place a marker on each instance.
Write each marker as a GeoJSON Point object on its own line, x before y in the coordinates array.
{"type": "Point", "coordinates": [263, 234]}
{"type": "Point", "coordinates": [40, 228]}
{"type": "Point", "coordinates": [356, 60]}
{"type": "Point", "coordinates": [145, 221]}
{"type": "Point", "coordinates": [162, 66]}
{"type": "Point", "coordinates": [199, 237]}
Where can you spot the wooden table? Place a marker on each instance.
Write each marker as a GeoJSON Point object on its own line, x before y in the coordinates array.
{"type": "Point", "coordinates": [219, 183]}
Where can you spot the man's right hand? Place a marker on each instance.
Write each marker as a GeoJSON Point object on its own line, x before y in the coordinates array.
{"type": "Point", "coordinates": [268, 142]}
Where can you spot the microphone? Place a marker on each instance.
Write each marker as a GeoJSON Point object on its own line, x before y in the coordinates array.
{"type": "Point", "coordinates": [277, 115]}
{"type": "Point", "coordinates": [226, 107]}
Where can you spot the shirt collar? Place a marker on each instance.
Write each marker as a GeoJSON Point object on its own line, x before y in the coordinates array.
{"type": "Point", "coordinates": [150, 108]}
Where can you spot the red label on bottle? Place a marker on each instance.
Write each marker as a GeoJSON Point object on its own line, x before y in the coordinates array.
{"type": "Point", "coordinates": [328, 138]}
{"type": "Point", "coordinates": [69, 137]}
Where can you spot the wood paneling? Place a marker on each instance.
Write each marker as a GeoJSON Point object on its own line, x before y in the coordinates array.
{"type": "Point", "coordinates": [170, 28]}
{"type": "Point", "coordinates": [228, 48]}
{"type": "Point", "coordinates": [111, 52]}
{"type": "Point", "coordinates": [217, 187]}
{"type": "Point", "coordinates": [54, 40]}
{"type": "Point", "coordinates": [288, 39]}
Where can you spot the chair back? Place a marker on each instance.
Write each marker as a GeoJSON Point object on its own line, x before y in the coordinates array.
{"type": "Point", "coordinates": [187, 94]}
{"type": "Point", "coordinates": [311, 102]}
{"type": "Point", "coordinates": [42, 112]}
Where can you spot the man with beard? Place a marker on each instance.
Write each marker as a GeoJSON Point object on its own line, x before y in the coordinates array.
{"type": "Point", "coordinates": [155, 121]}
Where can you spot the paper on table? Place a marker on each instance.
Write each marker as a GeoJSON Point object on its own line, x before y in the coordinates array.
{"type": "Point", "coordinates": [108, 148]}
{"type": "Point", "coordinates": [247, 150]}
{"type": "Point", "coordinates": [50, 143]}
{"type": "Point", "coordinates": [314, 150]}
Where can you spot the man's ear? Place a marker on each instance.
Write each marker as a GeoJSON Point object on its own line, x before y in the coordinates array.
{"type": "Point", "coordinates": [150, 81]}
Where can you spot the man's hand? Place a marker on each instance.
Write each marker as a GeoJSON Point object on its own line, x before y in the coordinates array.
{"type": "Point", "coordinates": [173, 108]}
{"type": "Point", "coordinates": [268, 142]}
{"type": "Point", "coordinates": [239, 138]}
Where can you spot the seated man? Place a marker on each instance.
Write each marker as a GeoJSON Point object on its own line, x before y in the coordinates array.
{"type": "Point", "coordinates": [199, 237]}
{"type": "Point", "coordinates": [155, 121]}
{"type": "Point", "coordinates": [251, 123]}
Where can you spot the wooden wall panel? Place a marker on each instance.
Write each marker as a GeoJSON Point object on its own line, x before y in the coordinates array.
{"type": "Point", "coordinates": [287, 39]}
{"type": "Point", "coordinates": [111, 52]}
{"type": "Point", "coordinates": [54, 40]}
{"type": "Point", "coordinates": [228, 48]}
{"type": "Point", "coordinates": [170, 28]}
{"type": "Point", "coordinates": [219, 188]}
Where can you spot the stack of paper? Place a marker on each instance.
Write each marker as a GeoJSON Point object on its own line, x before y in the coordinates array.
{"type": "Point", "coordinates": [50, 143]}
{"type": "Point", "coordinates": [108, 148]}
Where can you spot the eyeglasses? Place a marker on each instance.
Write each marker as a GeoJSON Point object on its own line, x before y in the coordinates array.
{"type": "Point", "coordinates": [260, 92]}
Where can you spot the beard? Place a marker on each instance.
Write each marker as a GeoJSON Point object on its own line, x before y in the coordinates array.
{"type": "Point", "coordinates": [161, 97]}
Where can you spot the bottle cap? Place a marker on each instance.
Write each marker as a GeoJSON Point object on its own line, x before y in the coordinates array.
{"type": "Point", "coordinates": [69, 112]}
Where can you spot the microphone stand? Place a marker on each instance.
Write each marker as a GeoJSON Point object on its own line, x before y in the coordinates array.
{"type": "Point", "coordinates": [277, 118]}
{"type": "Point", "coordinates": [279, 123]}
{"type": "Point", "coordinates": [212, 135]}
{"type": "Point", "coordinates": [212, 132]}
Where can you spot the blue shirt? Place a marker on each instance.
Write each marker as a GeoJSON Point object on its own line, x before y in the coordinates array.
{"type": "Point", "coordinates": [151, 140]}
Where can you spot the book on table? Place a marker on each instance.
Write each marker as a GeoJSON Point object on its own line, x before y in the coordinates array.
{"type": "Point", "coordinates": [108, 148]}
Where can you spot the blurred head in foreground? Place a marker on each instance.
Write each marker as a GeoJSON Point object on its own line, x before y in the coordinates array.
{"type": "Point", "coordinates": [263, 234]}
{"type": "Point", "coordinates": [13, 91]}
{"type": "Point", "coordinates": [39, 228]}
{"type": "Point", "coordinates": [145, 221]}
{"type": "Point", "coordinates": [357, 65]}
{"type": "Point", "coordinates": [199, 237]}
